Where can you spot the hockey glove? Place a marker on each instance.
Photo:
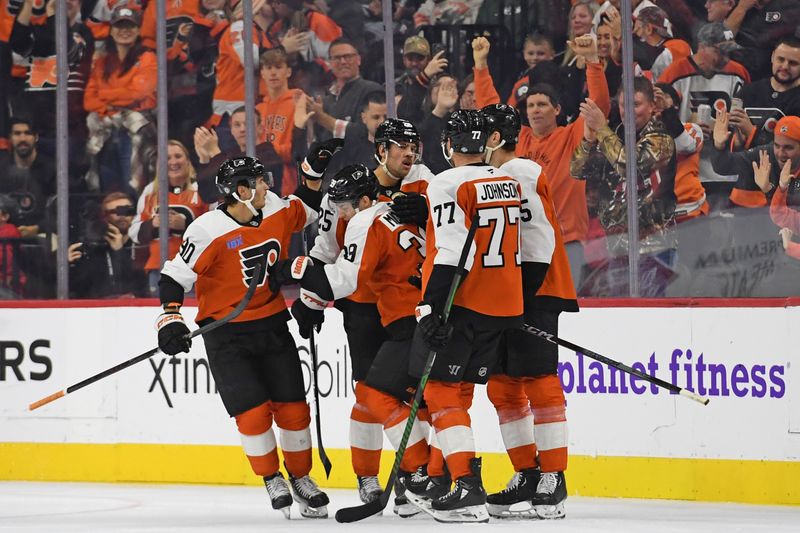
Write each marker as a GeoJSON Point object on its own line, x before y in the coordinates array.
{"type": "Point", "coordinates": [309, 312]}
{"type": "Point", "coordinates": [411, 208]}
{"type": "Point", "coordinates": [287, 271]}
{"type": "Point", "coordinates": [172, 333]}
{"type": "Point", "coordinates": [435, 333]}
{"type": "Point", "coordinates": [319, 155]}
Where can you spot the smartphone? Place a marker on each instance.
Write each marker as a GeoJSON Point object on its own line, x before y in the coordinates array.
{"type": "Point", "coordinates": [438, 47]}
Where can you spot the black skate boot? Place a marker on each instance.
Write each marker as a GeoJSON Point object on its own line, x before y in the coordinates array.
{"type": "Point", "coordinates": [466, 502]}
{"type": "Point", "coordinates": [311, 500]}
{"type": "Point", "coordinates": [279, 493]}
{"type": "Point", "coordinates": [551, 492]}
{"type": "Point", "coordinates": [402, 506]}
{"type": "Point", "coordinates": [514, 500]}
{"type": "Point", "coordinates": [369, 488]}
{"type": "Point", "coordinates": [423, 489]}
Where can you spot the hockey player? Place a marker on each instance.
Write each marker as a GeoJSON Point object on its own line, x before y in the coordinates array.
{"type": "Point", "coordinates": [253, 358]}
{"type": "Point", "coordinates": [379, 253]}
{"type": "Point", "coordinates": [488, 301]}
{"type": "Point", "coordinates": [397, 146]}
{"type": "Point", "coordinates": [526, 390]}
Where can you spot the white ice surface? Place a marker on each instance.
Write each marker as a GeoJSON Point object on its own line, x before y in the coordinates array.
{"type": "Point", "coordinates": [90, 507]}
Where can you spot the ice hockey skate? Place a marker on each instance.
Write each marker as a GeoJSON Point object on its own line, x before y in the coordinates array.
{"type": "Point", "coordinates": [369, 488]}
{"type": "Point", "coordinates": [312, 501]}
{"type": "Point", "coordinates": [466, 501]}
{"type": "Point", "coordinates": [551, 492]}
{"type": "Point", "coordinates": [403, 507]}
{"type": "Point", "coordinates": [514, 502]}
{"type": "Point", "coordinates": [423, 489]}
{"type": "Point", "coordinates": [279, 493]}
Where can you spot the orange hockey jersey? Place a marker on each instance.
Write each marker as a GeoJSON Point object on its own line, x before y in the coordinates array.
{"type": "Point", "coordinates": [493, 287]}
{"type": "Point", "coordinates": [381, 253]}
{"type": "Point", "coordinates": [220, 255]}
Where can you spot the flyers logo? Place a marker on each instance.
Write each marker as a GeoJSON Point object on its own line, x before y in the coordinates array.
{"type": "Point", "coordinates": [266, 254]}
{"type": "Point", "coordinates": [43, 72]}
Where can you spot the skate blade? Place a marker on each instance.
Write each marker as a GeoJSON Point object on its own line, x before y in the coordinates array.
{"type": "Point", "coordinates": [287, 512]}
{"type": "Point", "coordinates": [407, 510]}
{"type": "Point", "coordinates": [517, 511]}
{"type": "Point", "coordinates": [420, 502]}
{"type": "Point", "coordinates": [313, 512]}
{"type": "Point", "coordinates": [470, 514]}
{"type": "Point", "coordinates": [551, 512]}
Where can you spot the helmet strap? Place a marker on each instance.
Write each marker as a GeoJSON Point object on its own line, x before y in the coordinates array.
{"type": "Point", "coordinates": [382, 162]}
{"type": "Point", "coordinates": [448, 154]}
{"type": "Point", "coordinates": [249, 202]}
{"type": "Point", "coordinates": [489, 150]}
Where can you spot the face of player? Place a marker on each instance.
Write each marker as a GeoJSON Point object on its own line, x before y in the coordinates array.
{"type": "Point", "coordinates": [785, 149]}
{"type": "Point", "coordinates": [346, 210]}
{"type": "Point", "coordinates": [643, 109]}
{"type": "Point", "coordinates": [260, 198]}
{"type": "Point", "coordinates": [605, 41]}
{"type": "Point", "coordinates": [536, 53]}
{"type": "Point", "coordinates": [786, 64]}
{"type": "Point", "coordinates": [373, 116]}
{"type": "Point", "coordinates": [580, 21]}
{"type": "Point", "coordinates": [177, 166]}
{"type": "Point", "coordinates": [276, 76]}
{"type": "Point", "coordinates": [239, 128]}
{"type": "Point", "coordinates": [401, 157]}
{"type": "Point", "coordinates": [542, 113]}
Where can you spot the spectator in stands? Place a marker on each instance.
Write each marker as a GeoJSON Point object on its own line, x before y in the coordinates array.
{"type": "Point", "coordinates": [11, 283]}
{"type": "Point", "coordinates": [758, 168]}
{"type": "Point", "coordinates": [203, 49]}
{"type": "Point", "coordinates": [416, 56]}
{"type": "Point", "coordinates": [343, 102]}
{"type": "Point", "coordinates": [350, 17]}
{"type": "Point", "coordinates": [433, 12]}
{"type": "Point", "coordinates": [785, 217]}
{"type": "Point", "coordinates": [718, 10]}
{"type": "Point", "coordinates": [34, 41]}
{"type": "Point", "coordinates": [600, 160]}
{"type": "Point", "coordinates": [466, 99]}
{"type": "Point", "coordinates": [119, 96]}
{"type": "Point", "coordinates": [690, 195]}
{"type": "Point", "coordinates": [551, 145]}
{"type": "Point", "coordinates": [537, 49]}
{"type": "Point", "coordinates": [27, 176]}
{"type": "Point", "coordinates": [444, 98]}
{"type": "Point", "coordinates": [655, 50]}
{"type": "Point", "coordinates": [359, 137]}
{"type": "Point", "coordinates": [581, 16]}
{"type": "Point", "coordinates": [185, 205]}
{"type": "Point", "coordinates": [284, 115]}
{"type": "Point", "coordinates": [210, 155]}
{"type": "Point", "coordinates": [758, 25]}
{"type": "Point", "coordinates": [416, 101]}
{"type": "Point", "coordinates": [103, 263]}
{"type": "Point", "coordinates": [779, 93]}
{"type": "Point", "coordinates": [705, 76]}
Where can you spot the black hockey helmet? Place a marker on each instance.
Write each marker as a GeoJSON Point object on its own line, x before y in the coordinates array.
{"type": "Point", "coordinates": [396, 129]}
{"type": "Point", "coordinates": [466, 131]}
{"type": "Point", "coordinates": [351, 183]}
{"type": "Point", "coordinates": [504, 119]}
{"type": "Point", "coordinates": [239, 169]}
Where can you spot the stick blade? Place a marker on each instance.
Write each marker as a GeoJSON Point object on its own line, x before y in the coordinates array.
{"type": "Point", "coordinates": [348, 515]}
{"type": "Point", "coordinates": [326, 463]}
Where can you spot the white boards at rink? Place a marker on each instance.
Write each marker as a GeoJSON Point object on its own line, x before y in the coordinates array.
{"type": "Point", "coordinates": [162, 420]}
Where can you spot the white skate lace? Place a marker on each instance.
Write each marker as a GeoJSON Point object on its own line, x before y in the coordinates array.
{"type": "Point", "coordinates": [547, 483]}
{"type": "Point", "coordinates": [513, 483]}
{"type": "Point", "coordinates": [277, 487]}
{"type": "Point", "coordinates": [369, 484]}
{"type": "Point", "coordinates": [419, 475]}
{"type": "Point", "coordinates": [306, 486]}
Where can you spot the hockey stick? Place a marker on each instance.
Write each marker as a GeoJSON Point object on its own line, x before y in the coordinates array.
{"type": "Point", "coordinates": [359, 512]}
{"type": "Point", "coordinates": [312, 347]}
{"type": "Point", "coordinates": [251, 288]}
{"type": "Point", "coordinates": [611, 362]}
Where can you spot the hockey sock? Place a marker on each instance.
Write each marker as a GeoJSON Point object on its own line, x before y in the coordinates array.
{"type": "Point", "coordinates": [508, 396]}
{"type": "Point", "coordinates": [366, 437]}
{"type": "Point", "coordinates": [436, 458]}
{"type": "Point", "coordinates": [452, 424]}
{"type": "Point", "coordinates": [293, 418]}
{"type": "Point", "coordinates": [549, 421]}
{"type": "Point", "coordinates": [258, 439]}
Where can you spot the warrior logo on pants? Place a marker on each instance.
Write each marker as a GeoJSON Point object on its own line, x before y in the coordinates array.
{"type": "Point", "coordinates": [267, 252]}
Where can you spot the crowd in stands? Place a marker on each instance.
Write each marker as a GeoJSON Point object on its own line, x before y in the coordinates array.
{"type": "Point", "coordinates": [716, 104]}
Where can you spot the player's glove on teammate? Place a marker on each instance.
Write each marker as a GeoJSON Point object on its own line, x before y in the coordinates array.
{"type": "Point", "coordinates": [435, 333]}
{"type": "Point", "coordinates": [318, 157]}
{"type": "Point", "coordinates": [287, 271]}
{"type": "Point", "coordinates": [411, 208]}
{"type": "Point", "coordinates": [309, 312]}
{"type": "Point", "coordinates": [172, 333]}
